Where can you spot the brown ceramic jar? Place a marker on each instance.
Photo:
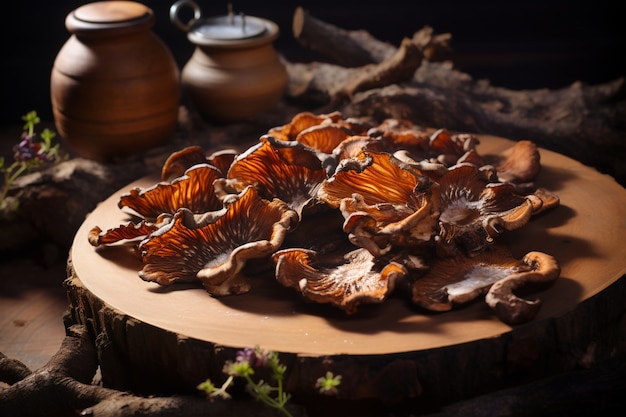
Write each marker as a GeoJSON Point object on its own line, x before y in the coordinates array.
{"type": "Point", "coordinates": [115, 85]}
{"type": "Point", "coordinates": [234, 72]}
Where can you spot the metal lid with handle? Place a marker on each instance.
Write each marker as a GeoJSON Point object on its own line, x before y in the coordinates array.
{"type": "Point", "coordinates": [227, 27]}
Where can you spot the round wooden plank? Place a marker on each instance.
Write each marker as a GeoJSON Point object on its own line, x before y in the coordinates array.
{"type": "Point", "coordinates": [584, 233]}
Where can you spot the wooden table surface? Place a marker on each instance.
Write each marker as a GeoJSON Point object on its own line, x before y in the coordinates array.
{"type": "Point", "coordinates": [32, 304]}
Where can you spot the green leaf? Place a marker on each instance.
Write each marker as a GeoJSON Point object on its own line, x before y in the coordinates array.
{"type": "Point", "coordinates": [31, 120]}
{"type": "Point", "coordinates": [47, 135]}
{"type": "Point", "coordinates": [207, 386]}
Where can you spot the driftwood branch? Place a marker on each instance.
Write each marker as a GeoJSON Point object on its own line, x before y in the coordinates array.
{"type": "Point", "coordinates": [357, 48]}
{"type": "Point", "coordinates": [12, 370]}
{"type": "Point", "coordinates": [341, 47]}
{"type": "Point", "coordinates": [59, 386]}
{"type": "Point", "coordinates": [322, 83]}
{"type": "Point", "coordinates": [331, 85]}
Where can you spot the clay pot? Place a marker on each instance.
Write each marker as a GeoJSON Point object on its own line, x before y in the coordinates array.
{"type": "Point", "coordinates": [115, 86]}
{"type": "Point", "coordinates": [234, 72]}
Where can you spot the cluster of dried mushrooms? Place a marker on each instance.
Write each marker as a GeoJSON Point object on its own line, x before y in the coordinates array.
{"type": "Point", "coordinates": [346, 212]}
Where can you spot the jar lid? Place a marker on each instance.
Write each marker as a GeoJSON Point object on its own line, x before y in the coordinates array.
{"type": "Point", "coordinates": [111, 11]}
{"type": "Point", "coordinates": [260, 32]}
{"type": "Point", "coordinates": [107, 15]}
{"type": "Point", "coordinates": [230, 27]}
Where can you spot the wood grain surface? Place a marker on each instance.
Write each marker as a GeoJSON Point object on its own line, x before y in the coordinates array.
{"type": "Point", "coordinates": [32, 304]}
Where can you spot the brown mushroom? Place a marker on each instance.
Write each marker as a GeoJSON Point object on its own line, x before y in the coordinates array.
{"type": "Point", "coordinates": [325, 137]}
{"type": "Point", "coordinates": [180, 161]}
{"type": "Point", "coordinates": [379, 178]}
{"type": "Point", "coordinates": [447, 148]}
{"type": "Point", "coordinates": [510, 308]}
{"type": "Point", "coordinates": [397, 201]}
{"type": "Point", "coordinates": [543, 200]}
{"type": "Point", "coordinates": [129, 231]}
{"type": "Point", "coordinates": [379, 237]}
{"type": "Point", "coordinates": [290, 173]}
{"type": "Point", "coordinates": [471, 157]}
{"type": "Point", "coordinates": [474, 211]}
{"type": "Point", "coordinates": [458, 280]}
{"type": "Point", "coordinates": [300, 122]}
{"type": "Point", "coordinates": [520, 164]}
{"type": "Point", "coordinates": [194, 191]}
{"type": "Point", "coordinates": [402, 134]}
{"type": "Point", "coordinates": [156, 205]}
{"type": "Point", "coordinates": [345, 282]}
{"type": "Point", "coordinates": [222, 159]}
{"type": "Point", "coordinates": [215, 250]}
{"type": "Point", "coordinates": [353, 145]}
{"type": "Point", "coordinates": [384, 203]}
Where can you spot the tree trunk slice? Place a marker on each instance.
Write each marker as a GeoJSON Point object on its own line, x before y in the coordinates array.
{"type": "Point", "coordinates": [157, 340]}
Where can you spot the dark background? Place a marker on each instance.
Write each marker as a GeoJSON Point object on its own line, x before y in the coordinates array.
{"type": "Point", "coordinates": [514, 44]}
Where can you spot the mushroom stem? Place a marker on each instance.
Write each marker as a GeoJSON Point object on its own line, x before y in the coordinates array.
{"type": "Point", "coordinates": [512, 309]}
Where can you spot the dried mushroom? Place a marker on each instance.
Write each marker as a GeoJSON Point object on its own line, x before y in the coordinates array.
{"type": "Point", "coordinates": [447, 148]}
{"type": "Point", "coordinates": [379, 178]}
{"type": "Point", "coordinates": [291, 174]}
{"type": "Point", "coordinates": [543, 200]}
{"type": "Point", "coordinates": [129, 231]}
{"type": "Point", "coordinates": [351, 147]}
{"type": "Point", "coordinates": [347, 211]}
{"type": "Point", "coordinates": [325, 137]}
{"type": "Point", "coordinates": [402, 134]}
{"type": "Point", "coordinates": [495, 272]}
{"type": "Point", "coordinates": [306, 120]}
{"type": "Point", "coordinates": [521, 163]}
{"type": "Point", "coordinates": [345, 282]}
{"type": "Point", "coordinates": [157, 204]}
{"type": "Point", "coordinates": [300, 122]}
{"type": "Point", "coordinates": [193, 191]}
{"type": "Point", "coordinates": [511, 309]}
{"type": "Point", "coordinates": [474, 210]}
{"type": "Point", "coordinates": [215, 249]}
{"type": "Point", "coordinates": [384, 203]}
{"type": "Point", "coordinates": [178, 162]}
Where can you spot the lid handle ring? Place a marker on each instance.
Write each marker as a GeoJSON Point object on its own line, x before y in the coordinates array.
{"type": "Point", "coordinates": [197, 14]}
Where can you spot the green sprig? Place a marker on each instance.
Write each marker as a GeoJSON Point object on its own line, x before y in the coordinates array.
{"type": "Point", "coordinates": [30, 155]}
{"type": "Point", "coordinates": [270, 395]}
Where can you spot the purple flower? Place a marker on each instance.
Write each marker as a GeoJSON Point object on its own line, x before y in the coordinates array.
{"type": "Point", "coordinates": [255, 357]}
{"type": "Point", "coordinates": [245, 355]}
{"type": "Point", "coordinates": [26, 149]}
